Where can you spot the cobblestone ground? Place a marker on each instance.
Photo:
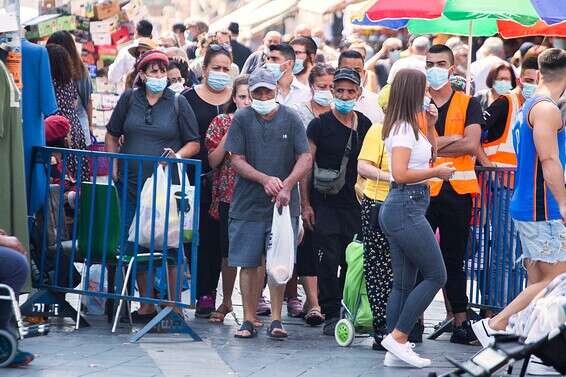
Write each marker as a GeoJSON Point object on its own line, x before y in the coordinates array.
{"type": "Point", "coordinates": [94, 351]}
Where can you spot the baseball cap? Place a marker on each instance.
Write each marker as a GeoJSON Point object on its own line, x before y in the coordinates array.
{"type": "Point", "coordinates": [56, 129]}
{"type": "Point", "coordinates": [149, 56]}
{"type": "Point", "coordinates": [347, 74]}
{"type": "Point", "coordinates": [262, 78]}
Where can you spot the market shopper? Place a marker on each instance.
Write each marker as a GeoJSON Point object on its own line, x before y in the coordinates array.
{"type": "Point", "coordinates": [367, 103]}
{"type": "Point", "coordinates": [538, 206]}
{"type": "Point", "coordinates": [14, 270]}
{"type": "Point", "coordinates": [209, 100]}
{"type": "Point", "coordinates": [384, 59]}
{"type": "Point", "coordinates": [224, 178]}
{"type": "Point", "coordinates": [269, 152]}
{"type": "Point", "coordinates": [500, 81]}
{"type": "Point", "coordinates": [127, 55]}
{"type": "Point", "coordinates": [195, 30]}
{"type": "Point", "coordinates": [290, 91]}
{"type": "Point", "coordinates": [497, 144]}
{"type": "Point", "coordinates": [410, 146]}
{"type": "Point", "coordinates": [196, 65]}
{"type": "Point", "coordinates": [177, 76]}
{"type": "Point", "coordinates": [67, 97]}
{"type": "Point", "coordinates": [258, 58]}
{"type": "Point", "coordinates": [373, 165]}
{"type": "Point", "coordinates": [332, 210]}
{"type": "Point", "coordinates": [459, 129]}
{"type": "Point", "coordinates": [239, 51]}
{"type": "Point", "coordinates": [82, 80]}
{"type": "Point", "coordinates": [305, 53]}
{"type": "Point", "coordinates": [150, 119]}
{"type": "Point", "coordinates": [321, 82]}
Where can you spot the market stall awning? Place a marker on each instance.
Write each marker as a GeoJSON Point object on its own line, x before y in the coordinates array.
{"type": "Point", "coordinates": [269, 14]}
{"type": "Point", "coordinates": [322, 6]}
{"type": "Point", "coordinates": [239, 15]}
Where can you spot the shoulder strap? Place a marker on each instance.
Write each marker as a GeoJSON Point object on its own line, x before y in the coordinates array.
{"type": "Point", "coordinates": [177, 104]}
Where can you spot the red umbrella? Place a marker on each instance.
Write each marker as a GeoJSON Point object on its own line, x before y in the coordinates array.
{"type": "Point", "coordinates": [510, 29]}
{"type": "Point", "coordinates": [414, 9]}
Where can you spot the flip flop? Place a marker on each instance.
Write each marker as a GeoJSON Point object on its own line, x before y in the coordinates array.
{"type": "Point", "coordinates": [314, 317]}
{"type": "Point", "coordinates": [279, 335]}
{"type": "Point", "coordinates": [249, 327]}
{"type": "Point", "coordinates": [219, 314]}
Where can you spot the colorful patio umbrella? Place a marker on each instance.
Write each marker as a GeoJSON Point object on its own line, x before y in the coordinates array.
{"type": "Point", "coordinates": [551, 11]}
{"type": "Point", "coordinates": [510, 29]}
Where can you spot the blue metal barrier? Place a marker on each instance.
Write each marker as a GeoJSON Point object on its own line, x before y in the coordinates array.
{"type": "Point", "coordinates": [494, 276]}
{"type": "Point", "coordinates": [91, 226]}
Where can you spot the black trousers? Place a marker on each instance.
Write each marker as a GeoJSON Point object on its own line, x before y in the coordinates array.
{"type": "Point", "coordinates": [450, 213]}
{"type": "Point", "coordinates": [209, 251]}
{"type": "Point", "coordinates": [334, 230]}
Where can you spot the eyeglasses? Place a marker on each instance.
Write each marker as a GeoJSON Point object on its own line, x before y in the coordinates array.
{"type": "Point", "coordinates": [147, 117]}
{"type": "Point", "coordinates": [174, 80]}
{"type": "Point", "coordinates": [219, 47]}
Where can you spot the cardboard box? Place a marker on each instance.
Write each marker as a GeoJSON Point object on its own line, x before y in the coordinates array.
{"type": "Point", "coordinates": [81, 36]}
{"type": "Point", "coordinates": [82, 8]}
{"type": "Point", "coordinates": [106, 26]}
{"type": "Point", "coordinates": [106, 9]}
{"type": "Point", "coordinates": [107, 53]}
{"type": "Point", "coordinates": [41, 26]}
{"type": "Point", "coordinates": [101, 39]}
{"type": "Point", "coordinates": [102, 85]}
{"type": "Point", "coordinates": [68, 23]}
{"type": "Point", "coordinates": [83, 23]}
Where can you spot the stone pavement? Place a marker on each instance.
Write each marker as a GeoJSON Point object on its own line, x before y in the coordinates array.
{"type": "Point", "coordinates": [94, 351]}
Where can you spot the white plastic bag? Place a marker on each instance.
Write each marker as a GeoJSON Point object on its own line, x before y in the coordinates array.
{"type": "Point", "coordinates": [189, 196]}
{"type": "Point", "coordinates": [280, 257]}
{"type": "Point", "coordinates": [96, 305]}
{"type": "Point", "coordinates": [146, 211]}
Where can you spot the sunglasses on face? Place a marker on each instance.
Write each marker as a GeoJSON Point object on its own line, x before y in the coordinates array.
{"type": "Point", "coordinates": [174, 80]}
{"type": "Point", "coordinates": [219, 47]}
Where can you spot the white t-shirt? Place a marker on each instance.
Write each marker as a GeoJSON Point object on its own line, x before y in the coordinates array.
{"type": "Point", "coordinates": [402, 135]}
{"type": "Point", "coordinates": [368, 105]}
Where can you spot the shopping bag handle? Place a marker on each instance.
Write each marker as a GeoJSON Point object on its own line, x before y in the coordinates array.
{"type": "Point", "coordinates": [185, 176]}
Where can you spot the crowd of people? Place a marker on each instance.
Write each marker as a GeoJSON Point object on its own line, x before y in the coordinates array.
{"type": "Point", "coordinates": [299, 123]}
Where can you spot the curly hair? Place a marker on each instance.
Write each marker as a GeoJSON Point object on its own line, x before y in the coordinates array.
{"type": "Point", "coordinates": [61, 64]}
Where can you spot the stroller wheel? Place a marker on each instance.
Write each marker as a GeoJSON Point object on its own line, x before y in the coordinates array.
{"type": "Point", "coordinates": [8, 348]}
{"type": "Point", "coordinates": [344, 332]}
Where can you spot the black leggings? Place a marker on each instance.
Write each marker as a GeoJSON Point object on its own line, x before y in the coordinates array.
{"type": "Point", "coordinates": [377, 263]}
{"type": "Point", "coordinates": [14, 270]}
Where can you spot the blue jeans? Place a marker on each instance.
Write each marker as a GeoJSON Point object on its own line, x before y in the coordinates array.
{"type": "Point", "coordinates": [413, 249]}
{"type": "Point", "coordinates": [14, 270]}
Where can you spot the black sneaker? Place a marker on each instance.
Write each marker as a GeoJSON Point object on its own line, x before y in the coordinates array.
{"type": "Point", "coordinates": [329, 326]}
{"type": "Point", "coordinates": [463, 334]}
{"type": "Point", "coordinates": [416, 334]}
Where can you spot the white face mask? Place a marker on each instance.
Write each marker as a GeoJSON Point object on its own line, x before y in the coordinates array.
{"type": "Point", "coordinates": [177, 87]}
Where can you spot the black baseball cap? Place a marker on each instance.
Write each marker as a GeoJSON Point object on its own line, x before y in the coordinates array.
{"type": "Point", "coordinates": [347, 74]}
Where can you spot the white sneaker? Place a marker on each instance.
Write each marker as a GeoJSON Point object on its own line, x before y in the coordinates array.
{"type": "Point", "coordinates": [393, 361]}
{"type": "Point", "coordinates": [404, 352]}
{"type": "Point", "coordinates": [483, 332]}
{"type": "Point", "coordinates": [538, 368]}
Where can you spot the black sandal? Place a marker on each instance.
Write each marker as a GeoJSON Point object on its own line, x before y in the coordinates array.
{"type": "Point", "coordinates": [249, 327]}
{"type": "Point", "coordinates": [276, 325]}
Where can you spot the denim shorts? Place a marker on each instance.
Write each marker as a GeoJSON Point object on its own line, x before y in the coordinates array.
{"type": "Point", "coordinates": [543, 241]}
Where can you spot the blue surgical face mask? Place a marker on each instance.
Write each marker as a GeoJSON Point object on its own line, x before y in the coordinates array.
{"type": "Point", "coordinates": [275, 69]}
{"type": "Point", "coordinates": [264, 107]}
{"type": "Point", "coordinates": [323, 97]}
{"type": "Point", "coordinates": [502, 87]}
{"type": "Point", "coordinates": [218, 80]}
{"type": "Point", "coordinates": [344, 107]}
{"type": "Point", "coordinates": [426, 103]}
{"type": "Point", "coordinates": [528, 90]}
{"type": "Point", "coordinates": [437, 77]}
{"type": "Point", "coordinates": [155, 84]}
{"type": "Point", "coordinates": [298, 66]}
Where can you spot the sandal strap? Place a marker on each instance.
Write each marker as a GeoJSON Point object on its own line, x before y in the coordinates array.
{"type": "Point", "coordinates": [276, 324]}
{"type": "Point", "coordinates": [247, 326]}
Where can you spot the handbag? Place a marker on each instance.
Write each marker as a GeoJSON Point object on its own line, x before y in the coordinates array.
{"type": "Point", "coordinates": [331, 181]}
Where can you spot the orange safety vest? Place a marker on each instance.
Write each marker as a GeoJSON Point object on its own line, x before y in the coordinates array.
{"type": "Point", "coordinates": [464, 180]}
{"type": "Point", "coordinates": [501, 151]}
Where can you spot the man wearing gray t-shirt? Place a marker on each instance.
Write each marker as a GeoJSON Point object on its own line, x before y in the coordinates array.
{"type": "Point", "coordinates": [270, 152]}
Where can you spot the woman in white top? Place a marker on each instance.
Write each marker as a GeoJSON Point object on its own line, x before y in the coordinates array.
{"type": "Point", "coordinates": [402, 215]}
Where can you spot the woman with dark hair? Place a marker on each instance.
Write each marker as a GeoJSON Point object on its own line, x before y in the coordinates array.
{"type": "Point", "coordinates": [81, 77]}
{"type": "Point", "coordinates": [402, 216]}
{"type": "Point", "coordinates": [305, 53]}
{"type": "Point", "coordinates": [223, 186]}
{"type": "Point", "coordinates": [152, 120]}
{"type": "Point", "coordinates": [62, 73]}
{"type": "Point", "coordinates": [177, 75]}
{"type": "Point", "coordinates": [320, 83]}
{"type": "Point", "coordinates": [500, 81]}
{"type": "Point", "coordinates": [209, 99]}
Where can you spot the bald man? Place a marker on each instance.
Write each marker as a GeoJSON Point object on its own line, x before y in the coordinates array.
{"type": "Point", "coordinates": [258, 58]}
{"type": "Point", "coordinates": [302, 30]}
